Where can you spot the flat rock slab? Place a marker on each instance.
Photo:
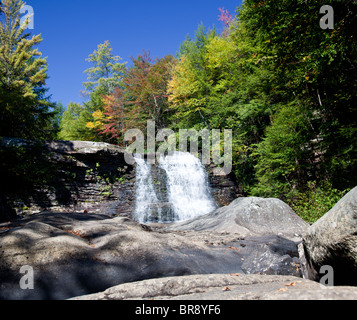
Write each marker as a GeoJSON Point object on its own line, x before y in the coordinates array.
{"type": "Point", "coordinates": [77, 254]}
{"type": "Point", "coordinates": [225, 287]}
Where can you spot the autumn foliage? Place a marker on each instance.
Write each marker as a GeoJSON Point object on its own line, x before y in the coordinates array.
{"type": "Point", "coordinates": [141, 97]}
{"type": "Point", "coordinates": [225, 17]}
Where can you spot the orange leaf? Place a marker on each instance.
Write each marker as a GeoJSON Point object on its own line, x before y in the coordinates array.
{"type": "Point", "coordinates": [292, 284]}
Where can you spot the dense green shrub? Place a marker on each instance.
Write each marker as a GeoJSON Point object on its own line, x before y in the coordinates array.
{"type": "Point", "coordinates": [316, 201]}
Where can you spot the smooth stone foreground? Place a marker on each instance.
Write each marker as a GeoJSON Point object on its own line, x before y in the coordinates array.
{"type": "Point", "coordinates": [225, 287]}
{"type": "Point", "coordinates": [77, 254]}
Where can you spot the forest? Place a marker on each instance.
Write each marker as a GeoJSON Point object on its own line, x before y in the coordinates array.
{"type": "Point", "coordinates": [286, 87]}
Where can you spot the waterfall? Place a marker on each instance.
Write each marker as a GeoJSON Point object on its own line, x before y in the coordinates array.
{"type": "Point", "coordinates": [186, 193]}
{"type": "Point", "coordinates": [146, 200]}
{"type": "Point", "coordinates": [187, 185]}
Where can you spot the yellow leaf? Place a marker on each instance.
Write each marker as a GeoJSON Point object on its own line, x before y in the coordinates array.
{"type": "Point", "coordinates": [98, 115]}
{"type": "Point", "coordinates": [90, 125]}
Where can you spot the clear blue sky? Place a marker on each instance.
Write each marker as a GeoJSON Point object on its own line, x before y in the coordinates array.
{"type": "Point", "coordinates": [71, 30]}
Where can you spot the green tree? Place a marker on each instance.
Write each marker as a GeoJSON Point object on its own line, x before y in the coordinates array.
{"type": "Point", "coordinates": [25, 111]}
{"type": "Point", "coordinates": [312, 72]}
{"type": "Point", "coordinates": [106, 75]}
{"type": "Point", "coordinates": [73, 123]}
{"type": "Point", "coordinates": [190, 85]}
{"type": "Point", "coordinates": [58, 110]}
{"type": "Point", "coordinates": [284, 154]}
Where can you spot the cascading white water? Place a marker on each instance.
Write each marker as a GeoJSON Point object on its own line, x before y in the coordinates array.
{"type": "Point", "coordinates": [187, 193]}
{"type": "Point", "coordinates": [146, 199]}
{"type": "Point", "coordinates": [187, 185]}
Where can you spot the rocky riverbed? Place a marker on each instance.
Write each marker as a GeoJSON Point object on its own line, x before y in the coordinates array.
{"type": "Point", "coordinates": [77, 254]}
{"type": "Point", "coordinates": [247, 250]}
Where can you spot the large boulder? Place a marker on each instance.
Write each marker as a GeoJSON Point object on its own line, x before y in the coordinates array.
{"type": "Point", "coordinates": [250, 216]}
{"type": "Point", "coordinates": [269, 229]}
{"type": "Point", "coordinates": [332, 241]}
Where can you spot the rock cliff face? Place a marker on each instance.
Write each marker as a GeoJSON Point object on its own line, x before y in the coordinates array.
{"type": "Point", "coordinates": [87, 176]}
{"type": "Point", "coordinates": [94, 177]}
{"type": "Point", "coordinates": [224, 188]}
